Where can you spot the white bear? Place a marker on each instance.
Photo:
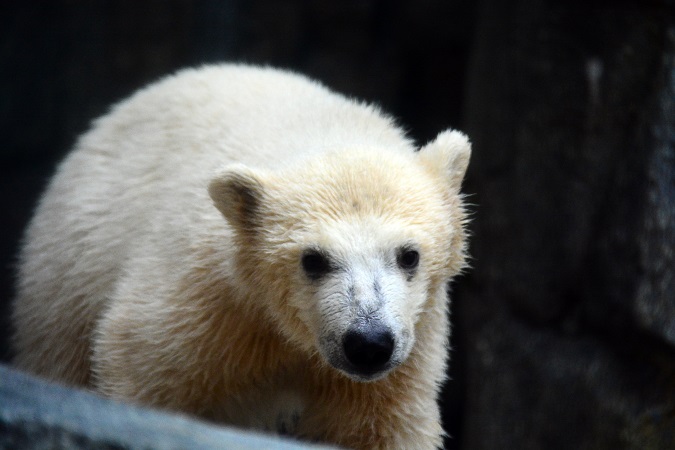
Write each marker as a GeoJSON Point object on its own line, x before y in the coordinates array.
{"type": "Point", "coordinates": [244, 245]}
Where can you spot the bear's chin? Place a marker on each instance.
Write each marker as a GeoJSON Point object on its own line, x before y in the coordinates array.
{"type": "Point", "coordinates": [366, 377]}
{"type": "Point", "coordinates": [363, 376]}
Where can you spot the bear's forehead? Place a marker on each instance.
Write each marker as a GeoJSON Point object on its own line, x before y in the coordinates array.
{"type": "Point", "coordinates": [365, 233]}
{"type": "Point", "coordinates": [371, 198]}
{"type": "Point", "coordinates": [360, 182]}
{"type": "Point", "coordinates": [376, 200]}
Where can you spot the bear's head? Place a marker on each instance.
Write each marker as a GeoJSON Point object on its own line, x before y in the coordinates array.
{"type": "Point", "coordinates": [346, 250]}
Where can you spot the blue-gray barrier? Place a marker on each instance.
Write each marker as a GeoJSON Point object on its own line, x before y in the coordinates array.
{"type": "Point", "coordinates": [35, 414]}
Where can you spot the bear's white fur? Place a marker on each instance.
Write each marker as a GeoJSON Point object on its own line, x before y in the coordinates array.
{"type": "Point", "coordinates": [212, 241]}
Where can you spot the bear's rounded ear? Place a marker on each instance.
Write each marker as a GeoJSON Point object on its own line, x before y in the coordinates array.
{"type": "Point", "coordinates": [237, 193]}
{"type": "Point", "coordinates": [448, 155]}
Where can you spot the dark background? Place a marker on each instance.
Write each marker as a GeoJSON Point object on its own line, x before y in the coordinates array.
{"type": "Point", "coordinates": [564, 330]}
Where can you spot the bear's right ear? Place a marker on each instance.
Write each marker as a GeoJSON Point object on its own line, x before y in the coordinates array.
{"type": "Point", "coordinates": [237, 193]}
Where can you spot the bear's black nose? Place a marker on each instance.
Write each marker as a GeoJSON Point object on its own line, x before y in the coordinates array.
{"type": "Point", "coordinates": [369, 349]}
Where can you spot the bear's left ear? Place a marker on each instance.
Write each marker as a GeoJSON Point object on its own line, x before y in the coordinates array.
{"type": "Point", "coordinates": [448, 155]}
{"type": "Point", "coordinates": [237, 193]}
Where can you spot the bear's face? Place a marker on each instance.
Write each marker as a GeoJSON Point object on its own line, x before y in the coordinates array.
{"type": "Point", "coordinates": [349, 248]}
{"type": "Point", "coordinates": [365, 281]}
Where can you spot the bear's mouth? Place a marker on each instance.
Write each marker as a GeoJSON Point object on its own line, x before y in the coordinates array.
{"type": "Point", "coordinates": [361, 375]}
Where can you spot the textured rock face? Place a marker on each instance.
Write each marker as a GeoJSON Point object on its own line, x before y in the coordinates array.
{"type": "Point", "coordinates": [570, 313]}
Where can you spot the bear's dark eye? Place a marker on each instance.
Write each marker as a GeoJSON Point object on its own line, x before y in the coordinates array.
{"type": "Point", "coordinates": [408, 258]}
{"type": "Point", "coordinates": [315, 264]}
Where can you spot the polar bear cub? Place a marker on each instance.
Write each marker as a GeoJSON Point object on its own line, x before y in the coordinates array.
{"type": "Point", "coordinates": [244, 245]}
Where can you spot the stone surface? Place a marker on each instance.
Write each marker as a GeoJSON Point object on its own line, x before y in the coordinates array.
{"type": "Point", "coordinates": [38, 415]}
{"type": "Point", "coordinates": [570, 311]}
